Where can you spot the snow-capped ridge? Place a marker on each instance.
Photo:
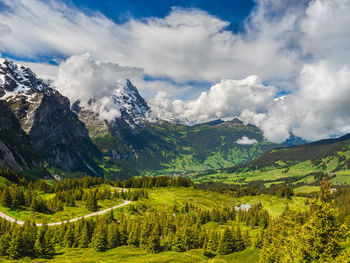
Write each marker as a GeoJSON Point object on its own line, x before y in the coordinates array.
{"type": "Point", "coordinates": [129, 101]}
{"type": "Point", "coordinates": [19, 79]}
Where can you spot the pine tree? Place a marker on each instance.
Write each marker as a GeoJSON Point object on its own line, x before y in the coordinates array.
{"type": "Point", "coordinates": [29, 232]}
{"type": "Point", "coordinates": [191, 238]}
{"type": "Point", "coordinates": [69, 236]}
{"type": "Point", "coordinates": [70, 200]}
{"type": "Point", "coordinates": [91, 202]}
{"type": "Point", "coordinates": [15, 249]}
{"type": "Point", "coordinates": [318, 240]}
{"type": "Point", "coordinates": [84, 239]}
{"type": "Point", "coordinates": [213, 241]}
{"type": "Point", "coordinates": [246, 239]}
{"type": "Point", "coordinates": [178, 244]}
{"type": "Point", "coordinates": [4, 244]}
{"type": "Point", "coordinates": [133, 239]}
{"type": "Point", "coordinates": [17, 196]}
{"type": "Point", "coordinates": [145, 233]}
{"type": "Point", "coordinates": [100, 241]}
{"type": "Point", "coordinates": [110, 217]}
{"type": "Point", "coordinates": [321, 236]}
{"type": "Point", "coordinates": [43, 245]}
{"type": "Point", "coordinates": [153, 245]}
{"type": "Point", "coordinates": [5, 198]}
{"type": "Point", "coordinates": [238, 240]}
{"type": "Point", "coordinates": [113, 236]}
{"type": "Point", "coordinates": [226, 244]}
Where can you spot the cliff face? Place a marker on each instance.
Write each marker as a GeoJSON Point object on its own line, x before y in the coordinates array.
{"type": "Point", "coordinates": [16, 149]}
{"type": "Point", "coordinates": [57, 136]}
{"type": "Point", "coordinates": [60, 138]}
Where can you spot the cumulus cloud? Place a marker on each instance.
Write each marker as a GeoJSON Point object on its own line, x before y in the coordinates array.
{"type": "Point", "coordinates": [83, 78]}
{"type": "Point", "coordinates": [246, 141]}
{"type": "Point", "coordinates": [227, 98]}
{"type": "Point", "coordinates": [188, 44]}
{"type": "Point", "coordinates": [319, 108]}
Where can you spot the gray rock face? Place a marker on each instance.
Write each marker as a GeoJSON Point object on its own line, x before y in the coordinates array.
{"type": "Point", "coordinates": [58, 137]}
{"type": "Point", "coordinates": [16, 149]}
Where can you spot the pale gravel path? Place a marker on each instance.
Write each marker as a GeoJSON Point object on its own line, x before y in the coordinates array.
{"type": "Point", "coordinates": [11, 219]}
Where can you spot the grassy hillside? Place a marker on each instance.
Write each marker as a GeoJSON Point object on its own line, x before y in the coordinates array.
{"type": "Point", "coordinates": [303, 164]}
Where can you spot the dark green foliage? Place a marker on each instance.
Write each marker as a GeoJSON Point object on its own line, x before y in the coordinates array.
{"type": "Point", "coordinates": [226, 243]}
{"type": "Point", "coordinates": [4, 244]}
{"type": "Point", "coordinates": [100, 238]}
{"type": "Point", "coordinates": [238, 240]}
{"type": "Point", "coordinates": [153, 244]}
{"type": "Point", "coordinates": [316, 239]}
{"type": "Point", "coordinates": [91, 202]}
{"type": "Point", "coordinates": [17, 196]}
{"type": "Point", "coordinates": [114, 237]}
{"type": "Point", "coordinates": [158, 181]}
{"type": "Point", "coordinates": [209, 253]}
{"type": "Point", "coordinates": [5, 197]}
{"type": "Point", "coordinates": [10, 175]}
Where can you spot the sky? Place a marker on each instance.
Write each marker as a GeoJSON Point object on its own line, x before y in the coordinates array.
{"type": "Point", "coordinates": [282, 65]}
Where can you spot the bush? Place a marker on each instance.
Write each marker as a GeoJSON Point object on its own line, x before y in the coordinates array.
{"type": "Point", "coordinates": [209, 254]}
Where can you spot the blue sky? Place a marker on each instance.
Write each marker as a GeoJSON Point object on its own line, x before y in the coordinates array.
{"type": "Point", "coordinates": [120, 11]}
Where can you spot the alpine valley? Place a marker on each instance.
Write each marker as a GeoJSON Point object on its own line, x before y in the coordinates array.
{"type": "Point", "coordinates": [44, 134]}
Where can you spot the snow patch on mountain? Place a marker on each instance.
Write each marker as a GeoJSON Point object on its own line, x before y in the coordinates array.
{"type": "Point", "coordinates": [130, 102]}
{"type": "Point", "coordinates": [19, 79]}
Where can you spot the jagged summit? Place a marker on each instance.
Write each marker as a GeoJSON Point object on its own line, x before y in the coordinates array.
{"type": "Point", "coordinates": [130, 103]}
{"type": "Point", "coordinates": [126, 100]}
{"type": "Point", "coordinates": [18, 79]}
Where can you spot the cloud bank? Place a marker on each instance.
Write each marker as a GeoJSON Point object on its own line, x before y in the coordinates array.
{"type": "Point", "coordinates": [227, 98]}
{"type": "Point", "coordinates": [83, 78]}
{"type": "Point", "coordinates": [188, 44]}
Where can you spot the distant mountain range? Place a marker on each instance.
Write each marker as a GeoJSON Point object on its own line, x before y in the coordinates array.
{"type": "Point", "coordinates": [41, 127]}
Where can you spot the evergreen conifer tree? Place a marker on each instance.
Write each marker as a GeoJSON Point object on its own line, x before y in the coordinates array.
{"type": "Point", "coordinates": [91, 202]}
{"type": "Point", "coordinates": [84, 239]}
{"type": "Point", "coordinates": [226, 244]}
{"type": "Point", "coordinates": [5, 198]}
{"type": "Point", "coordinates": [100, 241]}
{"type": "Point", "coordinates": [239, 242]}
{"type": "Point", "coordinates": [153, 245]}
{"type": "Point", "coordinates": [113, 235]}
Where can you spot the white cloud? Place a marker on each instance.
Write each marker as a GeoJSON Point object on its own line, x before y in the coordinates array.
{"type": "Point", "coordinates": [83, 78]}
{"type": "Point", "coordinates": [228, 98]}
{"type": "Point", "coordinates": [319, 108]}
{"type": "Point", "coordinates": [185, 45]}
{"type": "Point", "coordinates": [246, 141]}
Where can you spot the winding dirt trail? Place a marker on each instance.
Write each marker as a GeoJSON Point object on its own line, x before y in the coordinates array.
{"type": "Point", "coordinates": [11, 219]}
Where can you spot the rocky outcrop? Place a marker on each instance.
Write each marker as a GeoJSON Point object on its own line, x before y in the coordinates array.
{"type": "Point", "coordinates": [57, 136]}
{"type": "Point", "coordinates": [16, 149]}
{"type": "Point", "coordinates": [60, 138]}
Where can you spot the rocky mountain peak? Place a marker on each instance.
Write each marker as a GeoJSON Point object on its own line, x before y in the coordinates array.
{"type": "Point", "coordinates": [18, 79]}
{"type": "Point", "coordinates": [130, 103]}
{"type": "Point", "coordinates": [54, 131]}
